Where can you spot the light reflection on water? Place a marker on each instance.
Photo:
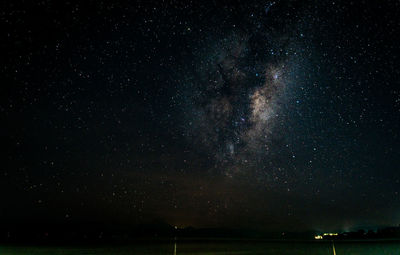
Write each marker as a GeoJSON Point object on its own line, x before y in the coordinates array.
{"type": "Point", "coordinates": [175, 248]}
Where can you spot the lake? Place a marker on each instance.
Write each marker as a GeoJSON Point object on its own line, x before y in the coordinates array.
{"type": "Point", "coordinates": [217, 247]}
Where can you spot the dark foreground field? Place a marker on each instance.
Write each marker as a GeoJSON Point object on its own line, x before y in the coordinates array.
{"type": "Point", "coordinates": [226, 247]}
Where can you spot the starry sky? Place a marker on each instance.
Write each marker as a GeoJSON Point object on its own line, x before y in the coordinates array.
{"type": "Point", "coordinates": [249, 114]}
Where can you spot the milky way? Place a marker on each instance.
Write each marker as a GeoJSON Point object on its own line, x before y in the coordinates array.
{"type": "Point", "coordinates": [234, 99]}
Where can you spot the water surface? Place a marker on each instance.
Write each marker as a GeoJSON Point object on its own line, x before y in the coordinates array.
{"type": "Point", "coordinates": [226, 247]}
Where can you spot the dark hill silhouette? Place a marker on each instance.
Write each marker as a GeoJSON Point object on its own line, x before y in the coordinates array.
{"type": "Point", "coordinates": [35, 232]}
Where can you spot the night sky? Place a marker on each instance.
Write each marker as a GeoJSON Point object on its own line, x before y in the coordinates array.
{"type": "Point", "coordinates": [277, 115]}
